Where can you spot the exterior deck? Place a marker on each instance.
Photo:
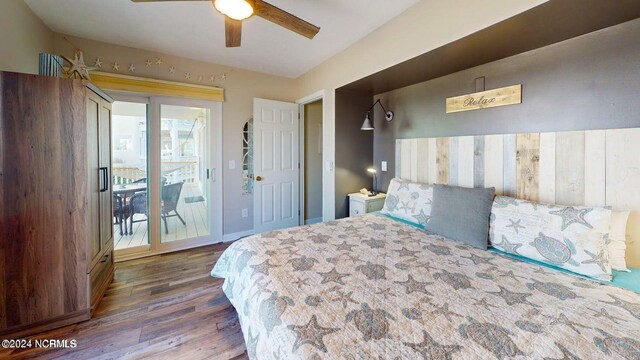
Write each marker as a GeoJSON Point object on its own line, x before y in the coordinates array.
{"type": "Point", "coordinates": [194, 214]}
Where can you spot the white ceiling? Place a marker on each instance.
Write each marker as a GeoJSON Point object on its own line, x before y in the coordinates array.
{"type": "Point", "coordinates": [195, 30]}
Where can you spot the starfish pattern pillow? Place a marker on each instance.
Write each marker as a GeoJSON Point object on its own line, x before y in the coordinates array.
{"type": "Point", "coordinates": [408, 201]}
{"type": "Point", "coordinates": [574, 238]}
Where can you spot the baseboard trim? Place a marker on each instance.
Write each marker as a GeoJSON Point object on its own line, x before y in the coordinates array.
{"type": "Point", "coordinates": [313, 221]}
{"type": "Point", "coordinates": [139, 255]}
{"type": "Point", "coordinates": [146, 253]}
{"type": "Point", "coordinates": [237, 235]}
{"type": "Point", "coordinates": [21, 331]}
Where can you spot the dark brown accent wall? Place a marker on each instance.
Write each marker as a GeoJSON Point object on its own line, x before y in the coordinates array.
{"type": "Point", "coordinates": [546, 24]}
{"type": "Point", "coordinates": [353, 147]}
{"type": "Point", "coordinates": [588, 82]}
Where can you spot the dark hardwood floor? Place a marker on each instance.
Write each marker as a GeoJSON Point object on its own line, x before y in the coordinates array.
{"type": "Point", "coordinates": [160, 307]}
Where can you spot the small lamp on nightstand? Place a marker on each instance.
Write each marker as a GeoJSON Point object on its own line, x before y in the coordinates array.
{"type": "Point", "coordinates": [373, 191]}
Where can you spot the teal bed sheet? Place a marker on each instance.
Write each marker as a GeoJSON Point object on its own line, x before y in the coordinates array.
{"type": "Point", "coordinates": [623, 279]}
{"type": "Point", "coordinates": [627, 280]}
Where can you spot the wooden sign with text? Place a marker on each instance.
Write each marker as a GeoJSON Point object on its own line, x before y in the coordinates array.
{"type": "Point", "coordinates": [486, 99]}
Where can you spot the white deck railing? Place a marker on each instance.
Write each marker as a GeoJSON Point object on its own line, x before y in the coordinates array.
{"type": "Point", "coordinates": [174, 171]}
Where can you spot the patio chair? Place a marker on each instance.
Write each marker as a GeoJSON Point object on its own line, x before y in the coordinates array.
{"type": "Point", "coordinates": [120, 213]}
{"type": "Point", "coordinates": [137, 205]}
{"type": "Point", "coordinates": [170, 197]}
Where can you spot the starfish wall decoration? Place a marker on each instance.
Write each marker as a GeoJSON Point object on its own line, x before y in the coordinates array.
{"type": "Point", "coordinates": [78, 69]}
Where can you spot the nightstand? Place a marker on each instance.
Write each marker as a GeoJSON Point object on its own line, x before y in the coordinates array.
{"type": "Point", "coordinates": [360, 204]}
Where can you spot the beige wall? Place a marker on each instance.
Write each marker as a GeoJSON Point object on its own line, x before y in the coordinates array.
{"type": "Point", "coordinates": [23, 36]}
{"type": "Point", "coordinates": [423, 27]}
{"type": "Point", "coordinates": [313, 160]}
{"type": "Point", "coordinates": [240, 87]}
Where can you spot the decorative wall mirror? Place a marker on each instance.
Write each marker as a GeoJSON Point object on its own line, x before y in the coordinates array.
{"type": "Point", "coordinates": [247, 158]}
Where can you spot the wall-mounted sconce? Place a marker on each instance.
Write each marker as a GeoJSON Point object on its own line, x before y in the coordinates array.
{"type": "Point", "coordinates": [367, 125]}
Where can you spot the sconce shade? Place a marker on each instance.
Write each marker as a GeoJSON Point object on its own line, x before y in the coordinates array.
{"type": "Point", "coordinates": [367, 125]}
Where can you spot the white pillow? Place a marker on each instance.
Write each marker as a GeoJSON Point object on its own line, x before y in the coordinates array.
{"type": "Point", "coordinates": [570, 237]}
{"type": "Point", "coordinates": [408, 201]}
{"type": "Point", "coordinates": [618, 240]}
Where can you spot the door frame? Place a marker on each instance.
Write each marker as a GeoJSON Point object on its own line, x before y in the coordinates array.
{"type": "Point", "coordinates": [155, 245]}
{"type": "Point", "coordinates": [301, 104]}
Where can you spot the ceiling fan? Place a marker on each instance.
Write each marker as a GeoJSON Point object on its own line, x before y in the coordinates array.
{"type": "Point", "coordinates": [235, 11]}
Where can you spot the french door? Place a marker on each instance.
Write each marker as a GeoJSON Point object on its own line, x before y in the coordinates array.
{"type": "Point", "coordinates": [167, 152]}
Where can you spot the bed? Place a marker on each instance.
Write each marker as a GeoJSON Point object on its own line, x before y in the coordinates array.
{"type": "Point", "coordinates": [375, 287]}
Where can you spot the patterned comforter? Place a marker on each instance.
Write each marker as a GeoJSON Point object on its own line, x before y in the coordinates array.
{"type": "Point", "coordinates": [374, 288]}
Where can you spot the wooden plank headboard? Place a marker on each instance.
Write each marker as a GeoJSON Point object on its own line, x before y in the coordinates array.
{"type": "Point", "coordinates": [596, 167]}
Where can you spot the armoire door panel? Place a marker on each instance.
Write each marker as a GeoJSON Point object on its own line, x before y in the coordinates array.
{"type": "Point", "coordinates": [95, 176]}
{"type": "Point", "coordinates": [106, 199]}
{"type": "Point", "coordinates": [43, 199]}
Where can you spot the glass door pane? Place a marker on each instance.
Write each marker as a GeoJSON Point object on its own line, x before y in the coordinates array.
{"type": "Point", "coordinates": [129, 159]}
{"type": "Point", "coordinates": [184, 171]}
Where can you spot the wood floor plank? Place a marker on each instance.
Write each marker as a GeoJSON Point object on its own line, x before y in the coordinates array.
{"type": "Point", "coordinates": [160, 307]}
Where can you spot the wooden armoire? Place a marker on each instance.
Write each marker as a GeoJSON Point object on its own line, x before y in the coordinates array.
{"type": "Point", "coordinates": [56, 233]}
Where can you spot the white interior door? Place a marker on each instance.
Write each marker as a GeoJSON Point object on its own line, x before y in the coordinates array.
{"type": "Point", "coordinates": [276, 165]}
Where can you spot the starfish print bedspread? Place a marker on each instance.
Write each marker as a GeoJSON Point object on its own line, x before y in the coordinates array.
{"type": "Point", "coordinates": [371, 287]}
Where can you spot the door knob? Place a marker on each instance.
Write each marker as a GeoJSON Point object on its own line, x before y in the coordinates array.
{"type": "Point", "coordinates": [258, 178]}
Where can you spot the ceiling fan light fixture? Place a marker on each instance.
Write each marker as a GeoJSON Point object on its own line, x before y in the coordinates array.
{"type": "Point", "coordinates": [235, 9]}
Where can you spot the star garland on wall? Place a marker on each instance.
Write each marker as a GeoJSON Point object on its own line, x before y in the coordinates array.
{"type": "Point", "coordinates": [100, 63]}
{"type": "Point", "coordinates": [157, 62]}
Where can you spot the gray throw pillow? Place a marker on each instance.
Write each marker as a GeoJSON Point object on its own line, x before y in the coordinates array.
{"type": "Point", "coordinates": [461, 214]}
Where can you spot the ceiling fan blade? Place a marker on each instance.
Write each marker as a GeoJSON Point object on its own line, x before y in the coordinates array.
{"type": "Point", "coordinates": [233, 31]}
{"type": "Point", "coordinates": [284, 19]}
